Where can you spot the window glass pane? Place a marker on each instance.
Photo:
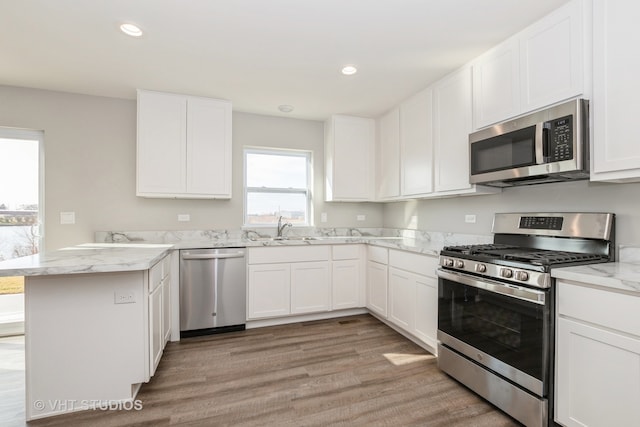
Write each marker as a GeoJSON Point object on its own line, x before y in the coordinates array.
{"type": "Point", "coordinates": [265, 208]}
{"type": "Point", "coordinates": [276, 171]}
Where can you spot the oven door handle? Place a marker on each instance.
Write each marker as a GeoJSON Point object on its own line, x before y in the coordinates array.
{"type": "Point", "coordinates": [526, 294]}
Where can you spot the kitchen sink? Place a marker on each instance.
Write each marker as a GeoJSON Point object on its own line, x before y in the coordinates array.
{"type": "Point", "coordinates": [276, 239]}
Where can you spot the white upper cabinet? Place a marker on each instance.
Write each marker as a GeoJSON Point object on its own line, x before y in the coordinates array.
{"type": "Point", "coordinates": [552, 57]}
{"type": "Point", "coordinates": [452, 125]}
{"type": "Point", "coordinates": [416, 144]}
{"type": "Point", "coordinates": [496, 84]}
{"type": "Point", "coordinates": [388, 160]}
{"type": "Point", "coordinates": [615, 147]}
{"type": "Point", "coordinates": [542, 65]}
{"type": "Point", "coordinates": [183, 147]}
{"type": "Point", "coordinates": [349, 158]}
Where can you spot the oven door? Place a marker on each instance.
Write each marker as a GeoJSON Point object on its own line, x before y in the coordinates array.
{"type": "Point", "coordinates": [504, 327]}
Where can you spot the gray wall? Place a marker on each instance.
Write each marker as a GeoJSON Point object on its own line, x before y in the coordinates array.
{"type": "Point", "coordinates": [449, 214]}
{"type": "Point", "coordinates": [90, 169]}
{"type": "Point", "coordinates": [90, 150]}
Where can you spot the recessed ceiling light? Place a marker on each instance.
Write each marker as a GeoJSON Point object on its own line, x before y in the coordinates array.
{"type": "Point", "coordinates": [131, 30]}
{"type": "Point", "coordinates": [285, 108]}
{"type": "Point", "coordinates": [349, 70]}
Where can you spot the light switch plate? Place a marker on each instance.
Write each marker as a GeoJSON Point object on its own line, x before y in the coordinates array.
{"type": "Point", "coordinates": [361, 217]}
{"type": "Point", "coordinates": [471, 219]}
{"type": "Point", "coordinates": [67, 218]}
{"type": "Point", "coordinates": [323, 217]}
{"type": "Point", "coordinates": [184, 217]}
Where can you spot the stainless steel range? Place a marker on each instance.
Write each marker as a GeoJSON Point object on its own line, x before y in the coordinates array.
{"type": "Point", "coordinates": [496, 305]}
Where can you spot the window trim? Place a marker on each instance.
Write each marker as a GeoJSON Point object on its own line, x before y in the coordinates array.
{"type": "Point", "coordinates": [308, 192]}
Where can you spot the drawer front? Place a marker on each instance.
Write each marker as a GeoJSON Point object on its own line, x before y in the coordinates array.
{"type": "Point", "coordinates": [420, 264]}
{"type": "Point", "coordinates": [297, 253]}
{"type": "Point", "coordinates": [158, 272]}
{"type": "Point", "coordinates": [606, 308]}
{"type": "Point", "coordinates": [378, 254]}
{"type": "Point", "coordinates": [346, 252]}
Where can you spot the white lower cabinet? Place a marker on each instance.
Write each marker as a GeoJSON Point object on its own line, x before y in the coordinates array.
{"type": "Point", "coordinates": [597, 357]}
{"type": "Point", "coordinates": [269, 290]}
{"type": "Point", "coordinates": [288, 280]}
{"type": "Point", "coordinates": [310, 287]}
{"type": "Point", "coordinates": [159, 310]}
{"type": "Point", "coordinates": [377, 279]}
{"type": "Point", "coordinates": [347, 277]}
{"type": "Point", "coordinates": [156, 336]}
{"type": "Point", "coordinates": [413, 294]}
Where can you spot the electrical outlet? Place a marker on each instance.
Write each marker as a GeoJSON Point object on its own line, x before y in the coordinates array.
{"type": "Point", "coordinates": [67, 218]}
{"type": "Point", "coordinates": [361, 217]}
{"type": "Point", "coordinates": [323, 217]}
{"type": "Point", "coordinates": [471, 219]}
{"type": "Point", "coordinates": [184, 217]}
{"type": "Point", "coordinates": [125, 297]}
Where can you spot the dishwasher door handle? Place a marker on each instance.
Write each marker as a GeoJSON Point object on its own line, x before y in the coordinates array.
{"type": "Point", "coordinates": [188, 256]}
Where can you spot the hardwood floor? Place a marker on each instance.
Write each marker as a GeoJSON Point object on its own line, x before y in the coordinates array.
{"type": "Point", "coordinates": [346, 372]}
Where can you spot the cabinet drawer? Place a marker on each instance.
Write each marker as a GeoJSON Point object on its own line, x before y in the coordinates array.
{"type": "Point", "coordinates": [269, 255]}
{"type": "Point", "coordinates": [377, 254]}
{"type": "Point", "coordinates": [346, 252]}
{"type": "Point", "coordinates": [421, 264]}
{"type": "Point", "coordinates": [159, 271]}
{"type": "Point", "coordinates": [609, 309]}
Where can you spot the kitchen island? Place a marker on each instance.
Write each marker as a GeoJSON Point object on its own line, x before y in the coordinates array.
{"type": "Point", "coordinates": [95, 324]}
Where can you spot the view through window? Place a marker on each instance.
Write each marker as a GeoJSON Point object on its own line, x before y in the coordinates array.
{"type": "Point", "coordinates": [19, 217]}
{"type": "Point", "coordinates": [277, 183]}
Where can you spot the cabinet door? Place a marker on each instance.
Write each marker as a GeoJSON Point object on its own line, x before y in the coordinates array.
{"type": "Point", "coordinates": [388, 176]}
{"type": "Point", "coordinates": [401, 298]}
{"type": "Point", "coordinates": [597, 376]}
{"type": "Point", "coordinates": [452, 124]}
{"type": "Point", "coordinates": [377, 287]}
{"type": "Point", "coordinates": [269, 290]}
{"type": "Point", "coordinates": [426, 303]}
{"type": "Point", "coordinates": [616, 152]}
{"type": "Point", "coordinates": [552, 57]}
{"type": "Point", "coordinates": [496, 84]}
{"type": "Point", "coordinates": [350, 158]}
{"type": "Point", "coordinates": [156, 336]}
{"type": "Point", "coordinates": [346, 281]}
{"type": "Point", "coordinates": [209, 147]}
{"type": "Point", "coordinates": [310, 287]}
{"type": "Point", "coordinates": [416, 144]}
{"type": "Point", "coordinates": [161, 144]}
{"type": "Point", "coordinates": [166, 310]}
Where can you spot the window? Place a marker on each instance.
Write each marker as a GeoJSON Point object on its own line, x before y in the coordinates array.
{"type": "Point", "coordinates": [277, 183]}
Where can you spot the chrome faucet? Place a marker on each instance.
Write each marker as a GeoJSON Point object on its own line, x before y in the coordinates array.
{"type": "Point", "coordinates": [282, 226]}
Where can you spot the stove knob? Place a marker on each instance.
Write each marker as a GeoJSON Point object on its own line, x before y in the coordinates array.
{"type": "Point", "coordinates": [459, 263]}
{"type": "Point", "coordinates": [506, 272]}
{"type": "Point", "coordinates": [481, 268]}
{"type": "Point", "coordinates": [447, 262]}
{"type": "Point", "coordinates": [523, 276]}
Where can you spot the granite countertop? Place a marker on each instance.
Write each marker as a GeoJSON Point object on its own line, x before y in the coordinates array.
{"type": "Point", "coordinates": [87, 258]}
{"type": "Point", "coordinates": [621, 276]}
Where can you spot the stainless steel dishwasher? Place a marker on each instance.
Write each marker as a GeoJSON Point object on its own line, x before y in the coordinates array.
{"type": "Point", "coordinates": [212, 291]}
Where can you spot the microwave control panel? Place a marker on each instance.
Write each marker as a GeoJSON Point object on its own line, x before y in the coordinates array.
{"type": "Point", "coordinates": [560, 139]}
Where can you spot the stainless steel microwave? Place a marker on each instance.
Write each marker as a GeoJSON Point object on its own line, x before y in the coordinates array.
{"type": "Point", "coordinates": [546, 146]}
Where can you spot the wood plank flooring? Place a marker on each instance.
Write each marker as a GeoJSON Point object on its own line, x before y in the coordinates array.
{"type": "Point", "coordinates": [349, 371]}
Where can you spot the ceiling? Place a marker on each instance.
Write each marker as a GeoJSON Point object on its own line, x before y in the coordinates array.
{"type": "Point", "coordinates": [257, 53]}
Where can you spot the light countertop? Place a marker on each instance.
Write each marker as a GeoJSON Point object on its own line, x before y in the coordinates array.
{"type": "Point", "coordinates": [87, 258]}
{"type": "Point", "coordinates": [620, 276]}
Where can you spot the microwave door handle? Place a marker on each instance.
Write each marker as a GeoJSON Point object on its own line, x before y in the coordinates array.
{"type": "Point", "coordinates": [541, 145]}
{"type": "Point", "coordinates": [545, 143]}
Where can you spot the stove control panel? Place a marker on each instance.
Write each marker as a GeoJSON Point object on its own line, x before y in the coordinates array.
{"type": "Point", "coordinates": [494, 271]}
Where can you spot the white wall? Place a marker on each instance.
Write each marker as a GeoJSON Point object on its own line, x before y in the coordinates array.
{"type": "Point", "coordinates": [90, 149]}
{"type": "Point", "coordinates": [448, 215]}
